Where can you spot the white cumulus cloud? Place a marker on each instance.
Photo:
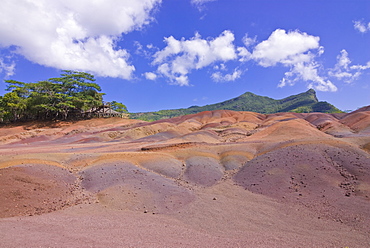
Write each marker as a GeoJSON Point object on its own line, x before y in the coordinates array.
{"type": "Point", "coordinates": [285, 48]}
{"type": "Point", "coordinates": [308, 73]}
{"type": "Point", "coordinates": [361, 26]}
{"type": "Point", "coordinates": [297, 51]}
{"type": "Point", "coordinates": [77, 35]}
{"type": "Point", "coordinates": [200, 3]}
{"type": "Point", "coordinates": [219, 77]}
{"type": "Point", "coordinates": [361, 67]}
{"type": "Point", "coordinates": [343, 70]}
{"type": "Point", "coordinates": [6, 67]}
{"type": "Point", "coordinates": [244, 54]}
{"type": "Point", "coordinates": [248, 41]}
{"type": "Point", "coordinates": [182, 56]}
{"type": "Point", "coordinates": [150, 75]}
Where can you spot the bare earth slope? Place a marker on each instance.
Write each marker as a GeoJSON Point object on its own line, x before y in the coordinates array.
{"type": "Point", "coordinates": [212, 179]}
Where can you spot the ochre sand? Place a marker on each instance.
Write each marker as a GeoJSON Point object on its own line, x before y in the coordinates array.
{"type": "Point", "coordinates": [213, 179]}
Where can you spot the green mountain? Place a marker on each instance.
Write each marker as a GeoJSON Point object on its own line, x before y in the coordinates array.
{"type": "Point", "coordinates": [302, 103]}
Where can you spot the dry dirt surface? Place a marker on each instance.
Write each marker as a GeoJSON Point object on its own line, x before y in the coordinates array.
{"type": "Point", "coordinates": [213, 179]}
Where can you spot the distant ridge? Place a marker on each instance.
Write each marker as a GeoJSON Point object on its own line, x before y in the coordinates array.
{"type": "Point", "coordinates": [305, 102]}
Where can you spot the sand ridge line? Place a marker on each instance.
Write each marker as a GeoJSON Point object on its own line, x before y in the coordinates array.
{"type": "Point", "coordinates": [15, 162]}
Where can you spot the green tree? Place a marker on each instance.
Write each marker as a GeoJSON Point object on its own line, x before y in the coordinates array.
{"type": "Point", "coordinates": [3, 110]}
{"type": "Point", "coordinates": [71, 94]}
{"type": "Point", "coordinates": [77, 92]}
{"type": "Point", "coordinates": [42, 100]}
{"type": "Point", "coordinates": [119, 107]}
{"type": "Point", "coordinates": [19, 88]}
{"type": "Point", "coordinates": [14, 105]}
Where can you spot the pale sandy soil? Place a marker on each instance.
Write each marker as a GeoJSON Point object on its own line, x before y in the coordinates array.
{"type": "Point", "coordinates": [214, 179]}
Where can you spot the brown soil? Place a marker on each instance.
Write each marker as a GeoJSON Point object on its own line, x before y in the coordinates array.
{"type": "Point", "coordinates": [213, 179]}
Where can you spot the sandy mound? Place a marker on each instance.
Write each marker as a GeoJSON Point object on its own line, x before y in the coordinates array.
{"type": "Point", "coordinates": [291, 174]}
{"type": "Point", "coordinates": [203, 171]}
{"type": "Point", "coordinates": [35, 189]}
{"type": "Point", "coordinates": [329, 124]}
{"type": "Point", "coordinates": [285, 129]}
{"type": "Point", "coordinates": [123, 185]}
{"type": "Point", "coordinates": [358, 121]}
{"type": "Point", "coordinates": [212, 179]}
{"type": "Point", "coordinates": [164, 165]}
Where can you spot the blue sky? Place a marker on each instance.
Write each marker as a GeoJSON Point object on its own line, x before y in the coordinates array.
{"type": "Point", "coordinates": [165, 54]}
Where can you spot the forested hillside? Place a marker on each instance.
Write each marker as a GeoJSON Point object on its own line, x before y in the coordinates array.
{"type": "Point", "coordinates": [302, 103]}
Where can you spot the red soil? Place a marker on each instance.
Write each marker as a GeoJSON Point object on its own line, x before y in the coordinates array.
{"type": "Point", "coordinates": [213, 179]}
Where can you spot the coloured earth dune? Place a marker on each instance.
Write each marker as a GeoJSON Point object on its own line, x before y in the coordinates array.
{"type": "Point", "coordinates": [212, 179]}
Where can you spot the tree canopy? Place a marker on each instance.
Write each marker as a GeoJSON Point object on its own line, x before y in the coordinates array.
{"type": "Point", "coordinates": [70, 95]}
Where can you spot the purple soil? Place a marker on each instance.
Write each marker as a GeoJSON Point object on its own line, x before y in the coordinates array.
{"type": "Point", "coordinates": [203, 171]}
{"type": "Point", "coordinates": [118, 183]}
{"type": "Point", "coordinates": [323, 178]}
{"type": "Point", "coordinates": [212, 179]}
